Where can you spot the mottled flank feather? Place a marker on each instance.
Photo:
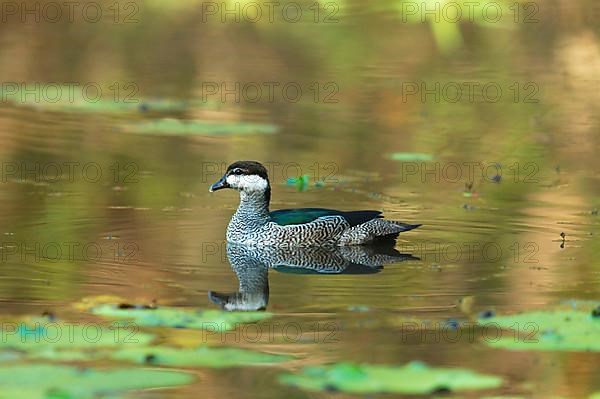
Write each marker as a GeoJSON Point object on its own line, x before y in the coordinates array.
{"type": "Point", "coordinates": [371, 230]}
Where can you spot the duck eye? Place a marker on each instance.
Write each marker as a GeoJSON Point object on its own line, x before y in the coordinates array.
{"type": "Point", "coordinates": [237, 171]}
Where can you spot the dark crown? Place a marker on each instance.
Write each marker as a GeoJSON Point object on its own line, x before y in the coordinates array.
{"type": "Point", "coordinates": [248, 168]}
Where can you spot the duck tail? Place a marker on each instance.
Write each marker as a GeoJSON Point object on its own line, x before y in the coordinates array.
{"type": "Point", "coordinates": [375, 229]}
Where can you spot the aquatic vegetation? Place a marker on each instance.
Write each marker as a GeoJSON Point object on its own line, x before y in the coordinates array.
{"type": "Point", "coordinates": [301, 182]}
{"type": "Point", "coordinates": [177, 127]}
{"type": "Point", "coordinates": [201, 357]}
{"type": "Point", "coordinates": [47, 339]}
{"type": "Point", "coordinates": [556, 330]}
{"type": "Point", "coordinates": [411, 156]}
{"type": "Point", "coordinates": [214, 320]}
{"type": "Point", "coordinates": [53, 354]}
{"type": "Point", "coordinates": [45, 381]}
{"type": "Point", "coordinates": [412, 378]}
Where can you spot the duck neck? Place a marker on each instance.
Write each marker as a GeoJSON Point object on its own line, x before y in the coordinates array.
{"type": "Point", "coordinates": [253, 210]}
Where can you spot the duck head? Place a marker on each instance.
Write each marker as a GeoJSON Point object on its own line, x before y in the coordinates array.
{"type": "Point", "coordinates": [247, 176]}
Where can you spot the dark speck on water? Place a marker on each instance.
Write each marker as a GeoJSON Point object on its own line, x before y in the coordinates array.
{"type": "Point", "coordinates": [150, 358]}
{"type": "Point", "coordinates": [453, 324]}
{"type": "Point", "coordinates": [487, 314]}
{"type": "Point", "coordinates": [49, 315]}
{"type": "Point", "coordinates": [442, 391]}
{"type": "Point", "coordinates": [331, 388]}
{"type": "Point", "coordinates": [135, 306]}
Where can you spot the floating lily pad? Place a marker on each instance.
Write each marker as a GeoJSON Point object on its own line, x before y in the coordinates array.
{"type": "Point", "coordinates": [65, 382]}
{"type": "Point", "coordinates": [411, 156]}
{"type": "Point", "coordinates": [413, 378]}
{"type": "Point", "coordinates": [10, 356]}
{"type": "Point", "coordinates": [65, 355]}
{"type": "Point", "coordinates": [213, 320]}
{"type": "Point", "coordinates": [200, 357]}
{"type": "Point", "coordinates": [166, 356]}
{"type": "Point", "coordinates": [177, 127]}
{"type": "Point", "coordinates": [560, 330]}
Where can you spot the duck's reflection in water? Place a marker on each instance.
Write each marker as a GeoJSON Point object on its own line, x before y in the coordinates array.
{"type": "Point", "coordinates": [252, 264]}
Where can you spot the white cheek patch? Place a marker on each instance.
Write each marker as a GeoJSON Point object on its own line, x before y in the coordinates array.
{"type": "Point", "coordinates": [247, 182]}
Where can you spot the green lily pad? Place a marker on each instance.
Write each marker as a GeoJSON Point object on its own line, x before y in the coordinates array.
{"type": "Point", "coordinates": [10, 356]}
{"type": "Point", "coordinates": [66, 355]}
{"type": "Point", "coordinates": [177, 127]}
{"type": "Point", "coordinates": [44, 381]}
{"type": "Point", "coordinates": [413, 378]}
{"type": "Point", "coordinates": [560, 330]}
{"type": "Point", "coordinates": [166, 356]}
{"type": "Point", "coordinates": [411, 156]}
{"type": "Point", "coordinates": [200, 357]}
{"type": "Point", "coordinates": [212, 320]}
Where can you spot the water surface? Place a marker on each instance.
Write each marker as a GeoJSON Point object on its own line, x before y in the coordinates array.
{"type": "Point", "coordinates": [130, 213]}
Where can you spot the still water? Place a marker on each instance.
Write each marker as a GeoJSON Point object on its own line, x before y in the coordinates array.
{"type": "Point", "coordinates": [93, 202]}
